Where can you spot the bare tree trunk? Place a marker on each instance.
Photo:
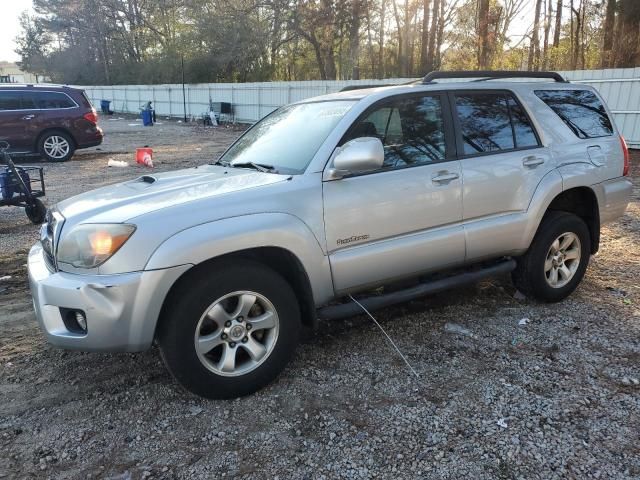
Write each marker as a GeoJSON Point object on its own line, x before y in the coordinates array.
{"type": "Point", "coordinates": [412, 40]}
{"type": "Point", "coordinates": [354, 40]}
{"type": "Point", "coordinates": [575, 52]}
{"type": "Point", "coordinates": [424, 51]}
{"type": "Point", "coordinates": [318, 52]}
{"type": "Point", "coordinates": [435, 12]}
{"type": "Point", "coordinates": [558, 27]}
{"type": "Point", "coordinates": [547, 28]}
{"type": "Point", "coordinates": [372, 57]}
{"type": "Point", "coordinates": [583, 43]}
{"type": "Point", "coordinates": [483, 34]}
{"type": "Point", "coordinates": [628, 38]}
{"type": "Point", "coordinates": [437, 60]}
{"type": "Point", "coordinates": [403, 38]}
{"type": "Point", "coordinates": [533, 62]}
{"type": "Point", "coordinates": [571, 36]}
{"type": "Point", "coordinates": [607, 41]}
{"type": "Point", "coordinates": [381, 69]}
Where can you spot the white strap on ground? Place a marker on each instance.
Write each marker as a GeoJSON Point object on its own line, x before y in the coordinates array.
{"type": "Point", "coordinates": [386, 335]}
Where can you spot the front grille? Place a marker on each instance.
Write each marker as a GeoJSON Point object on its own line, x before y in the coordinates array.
{"type": "Point", "coordinates": [49, 235]}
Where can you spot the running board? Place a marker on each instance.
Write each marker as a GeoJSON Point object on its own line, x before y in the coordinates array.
{"type": "Point", "coordinates": [334, 312]}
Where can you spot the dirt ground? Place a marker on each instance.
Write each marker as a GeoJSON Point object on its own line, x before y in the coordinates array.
{"type": "Point", "coordinates": [521, 390]}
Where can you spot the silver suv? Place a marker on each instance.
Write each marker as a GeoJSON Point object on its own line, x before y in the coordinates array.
{"type": "Point", "coordinates": [222, 265]}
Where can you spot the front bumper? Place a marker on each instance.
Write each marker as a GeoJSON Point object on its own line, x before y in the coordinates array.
{"type": "Point", "coordinates": [121, 310]}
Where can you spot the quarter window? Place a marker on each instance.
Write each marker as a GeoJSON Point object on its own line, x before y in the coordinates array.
{"type": "Point", "coordinates": [51, 100]}
{"type": "Point", "coordinates": [411, 130]}
{"type": "Point", "coordinates": [491, 122]}
{"type": "Point", "coordinates": [580, 110]}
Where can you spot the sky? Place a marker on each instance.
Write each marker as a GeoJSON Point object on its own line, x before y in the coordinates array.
{"type": "Point", "coordinates": [10, 11]}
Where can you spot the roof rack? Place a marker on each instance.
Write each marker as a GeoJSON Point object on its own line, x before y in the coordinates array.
{"type": "Point", "coordinates": [482, 75]}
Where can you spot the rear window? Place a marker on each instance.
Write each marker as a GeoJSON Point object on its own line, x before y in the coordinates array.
{"type": "Point", "coordinates": [580, 110]}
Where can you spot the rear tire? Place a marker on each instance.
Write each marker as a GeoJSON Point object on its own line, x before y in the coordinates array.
{"type": "Point", "coordinates": [229, 329]}
{"type": "Point", "coordinates": [557, 259]}
{"type": "Point", "coordinates": [56, 146]}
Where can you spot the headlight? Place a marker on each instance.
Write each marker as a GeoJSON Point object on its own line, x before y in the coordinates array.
{"type": "Point", "coordinates": [90, 245]}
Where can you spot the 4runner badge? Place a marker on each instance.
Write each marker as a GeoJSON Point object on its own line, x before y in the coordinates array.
{"type": "Point", "coordinates": [351, 239]}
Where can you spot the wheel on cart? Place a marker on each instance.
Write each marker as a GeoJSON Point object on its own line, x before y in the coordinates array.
{"type": "Point", "coordinates": [36, 212]}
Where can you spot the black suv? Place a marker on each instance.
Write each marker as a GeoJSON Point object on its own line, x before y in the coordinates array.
{"type": "Point", "coordinates": [51, 120]}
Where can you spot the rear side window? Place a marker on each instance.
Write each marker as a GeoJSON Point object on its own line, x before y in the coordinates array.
{"type": "Point", "coordinates": [491, 122]}
{"type": "Point", "coordinates": [51, 100]}
{"type": "Point", "coordinates": [580, 110]}
{"type": "Point", "coordinates": [10, 100]}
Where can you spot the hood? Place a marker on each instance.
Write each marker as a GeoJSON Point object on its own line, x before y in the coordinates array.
{"type": "Point", "coordinates": [123, 201]}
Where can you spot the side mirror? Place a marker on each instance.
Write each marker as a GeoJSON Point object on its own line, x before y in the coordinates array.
{"type": "Point", "coordinates": [357, 156]}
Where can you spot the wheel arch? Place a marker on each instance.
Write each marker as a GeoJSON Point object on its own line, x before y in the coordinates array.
{"type": "Point", "coordinates": [280, 241]}
{"type": "Point", "coordinates": [582, 202]}
{"type": "Point", "coordinates": [278, 259]}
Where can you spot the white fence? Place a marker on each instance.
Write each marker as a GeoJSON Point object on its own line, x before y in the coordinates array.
{"type": "Point", "coordinates": [252, 101]}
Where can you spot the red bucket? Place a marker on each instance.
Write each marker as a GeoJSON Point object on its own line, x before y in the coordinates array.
{"type": "Point", "coordinates": [144, 156]}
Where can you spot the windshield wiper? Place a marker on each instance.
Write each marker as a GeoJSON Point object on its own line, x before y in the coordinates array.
{"type": "Point", "coordinates": [261, 167]}
{"type": "Point", "coordinates": [222, 163]}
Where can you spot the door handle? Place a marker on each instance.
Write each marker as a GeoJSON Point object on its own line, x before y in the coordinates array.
{"type": "Point", "coordinates": [532, 161]}
{"type": "Point", "coordinates": [444, 177]}
{"type": "Point", "coordinates": [28, 117]}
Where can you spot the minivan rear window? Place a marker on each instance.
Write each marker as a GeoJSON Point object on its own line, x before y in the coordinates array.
{"type": "Point", "coordinates": [580, 110]}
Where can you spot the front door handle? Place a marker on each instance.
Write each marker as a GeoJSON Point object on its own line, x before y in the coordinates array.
{"type": "Point", "coordinates": [28, 117]}
{"type": "Point", "coordinates": [444, 177]}
{"type": "Point", "coordinates": [532, 161]}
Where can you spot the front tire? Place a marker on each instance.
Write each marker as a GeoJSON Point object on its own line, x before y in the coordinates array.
{"type": "Point", "coordinates": [56, 146]}
{"type": "Point", "coordinates": [557, 259]}
{"type": "Point", "coordinates": [230, 329]}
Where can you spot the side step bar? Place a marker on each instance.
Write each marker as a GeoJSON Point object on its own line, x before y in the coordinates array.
{"type": "Point", "coordinates": [344, 310]}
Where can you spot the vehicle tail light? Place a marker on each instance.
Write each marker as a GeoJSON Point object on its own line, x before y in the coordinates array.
{"type": "Point", "coordinates": [625, 152]}
{"type": "Point", "coordinates": [92, 116]}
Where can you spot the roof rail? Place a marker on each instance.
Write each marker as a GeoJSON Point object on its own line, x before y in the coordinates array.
{"type": "Point", "coordinates": [348, 88]}
{"type": "Point", "coordinates": [493, 74]}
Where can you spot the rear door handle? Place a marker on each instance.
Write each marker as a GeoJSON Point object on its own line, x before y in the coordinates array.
{"type": "Point", "coordinates": [532, 161]}
{"type": "Point", "coordinates": [28, 117]}
{"type": "Point", "coordinates": [444, 177]}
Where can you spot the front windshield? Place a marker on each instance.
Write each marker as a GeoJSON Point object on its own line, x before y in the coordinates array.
{"type": "Point", "coordinates": [288, 138]}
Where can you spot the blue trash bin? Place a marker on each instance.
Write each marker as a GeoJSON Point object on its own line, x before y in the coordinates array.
{"type": "Point", "coordinates": [104, 105]}
{"type": "Point", "coordinates": [147, 117]}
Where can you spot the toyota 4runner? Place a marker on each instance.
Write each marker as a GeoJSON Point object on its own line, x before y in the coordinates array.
{"type": "Point", "coordinates": [222, 265]}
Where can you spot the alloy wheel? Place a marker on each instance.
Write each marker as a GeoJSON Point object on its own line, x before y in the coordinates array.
{"type": "Point", "coordinates": [562, 260]}
{"type": "Point", "coordinates": [237, 333]}
{"type": "Point", "coordinates": [56, 146]}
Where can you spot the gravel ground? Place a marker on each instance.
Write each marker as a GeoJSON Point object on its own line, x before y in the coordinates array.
{"type": "Point", "coordinates": [507, 388]}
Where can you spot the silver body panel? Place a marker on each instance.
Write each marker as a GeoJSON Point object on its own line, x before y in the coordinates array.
{"type": "Point", "coordinates": [348, 233]}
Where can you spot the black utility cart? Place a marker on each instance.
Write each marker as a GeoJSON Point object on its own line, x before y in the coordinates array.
{"type": "Point", "coordinates": [21, 187]}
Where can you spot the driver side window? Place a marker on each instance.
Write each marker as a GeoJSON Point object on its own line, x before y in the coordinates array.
{"type": "Point", "coordinates": [411, 130]}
